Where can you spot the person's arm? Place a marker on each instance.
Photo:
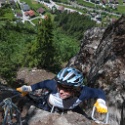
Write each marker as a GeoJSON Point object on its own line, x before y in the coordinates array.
{"type": "Point", "coordinates": [88, 93]}
{"type": "Point", "coordinates": [48, 84]}
{"type": "Point", "coordinates": [98, 94]}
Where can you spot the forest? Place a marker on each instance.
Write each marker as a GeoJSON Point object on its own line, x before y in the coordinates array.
{"type": "Point", "coordinates": [51, 43]}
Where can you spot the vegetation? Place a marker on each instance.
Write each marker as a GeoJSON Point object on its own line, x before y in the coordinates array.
{"type": "Point", "coordinates": [66, 46]}
{"type": "Point", "coordinates": [74, 24]}
{"type": "Point", "coordinates": [52, 42]}
{"type": "Point", "coordinates": [121, 2]}
{"type": "Point", "coordinates": [41, 52]}
{"type": "Point", "coordinates": [62, 1]}
{"type": "Point", "coordinates": [84, 3]}
{"type": "Point", "coordinates": [121, 9]}
{"type": "Point", "coordinates": [6, 13]}
{"type": "Point", "coordinates": [12, 44]}
{"type": "Point", "coordinates": [34, 5]}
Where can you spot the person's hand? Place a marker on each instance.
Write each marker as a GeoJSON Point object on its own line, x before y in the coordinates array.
{"type": "Point", "coordinates": [24, 89]}
{"type": "Point", "coordinates": [101, 106]}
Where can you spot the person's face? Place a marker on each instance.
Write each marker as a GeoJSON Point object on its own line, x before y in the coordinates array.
{"type": "Point", "coordinates": [64, 91]}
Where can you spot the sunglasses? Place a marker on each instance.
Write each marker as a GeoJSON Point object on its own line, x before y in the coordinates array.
{"type": "Point", "coordinates": [66, 88]}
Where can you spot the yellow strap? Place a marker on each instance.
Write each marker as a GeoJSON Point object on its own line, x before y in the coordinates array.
{"type": "Point", "coordinates": [22, 93]}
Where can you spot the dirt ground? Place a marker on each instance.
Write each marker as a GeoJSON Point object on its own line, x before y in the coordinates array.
{"type": "Point", "coordinates": [34, 75]}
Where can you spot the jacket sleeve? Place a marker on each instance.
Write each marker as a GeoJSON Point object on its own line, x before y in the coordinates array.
{"type": "Point", "coordinates": [88, 93]}
{"type": "Point", "coordinates": [47, 84]}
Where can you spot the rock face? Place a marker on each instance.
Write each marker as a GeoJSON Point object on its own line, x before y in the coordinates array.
{"type": "Point", "coordinates": [40, 117]}
{"type": "Point", "coordinates": [102, 60]}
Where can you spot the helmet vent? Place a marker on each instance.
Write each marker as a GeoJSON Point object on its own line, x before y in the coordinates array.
{"type": "Point", "coordinates": [73, 75]}
{"type": "Point", "coordinates": [70, 76]}
{"type": "Point", "coordinates": [77, 80]}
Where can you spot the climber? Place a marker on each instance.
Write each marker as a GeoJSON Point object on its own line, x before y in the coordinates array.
{"type": "Point", "coordinates": [67, 91]}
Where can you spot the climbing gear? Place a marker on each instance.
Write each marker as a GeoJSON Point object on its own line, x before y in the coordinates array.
{"type": "Point", "coordinates": [97, 120]}
{"type": "Point", "coordinates": [101, 106]}
{"type": "Point", "coordinates": [70, 76]}
{"type": "Point", "coordinates": [11, 110]}
{"type": "Point", "coordinates": [39, 98]}
{"type": "Point", "coordinates": [11, 115]}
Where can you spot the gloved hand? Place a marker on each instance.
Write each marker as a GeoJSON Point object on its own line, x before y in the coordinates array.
{"type": "Point", "coordinates": [101, 106]}
{"type": "Point", "coordinates": [24, 89]}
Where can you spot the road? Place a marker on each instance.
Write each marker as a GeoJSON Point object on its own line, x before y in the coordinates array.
{"type": "Point", "coordinates": [91, 9]}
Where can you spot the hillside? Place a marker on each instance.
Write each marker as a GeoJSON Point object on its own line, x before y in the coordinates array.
{"type": "Point", "coordinates": [101, 58]}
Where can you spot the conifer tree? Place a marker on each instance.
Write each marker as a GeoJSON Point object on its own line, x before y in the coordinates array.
{"type": "Point", "coordinates": [45, 51]}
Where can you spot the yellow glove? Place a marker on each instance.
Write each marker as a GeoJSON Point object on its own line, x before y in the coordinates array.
{"type": "Point", "coordinates": [101, 106]}
{"type": "Point", "coordinates": [24, 90]}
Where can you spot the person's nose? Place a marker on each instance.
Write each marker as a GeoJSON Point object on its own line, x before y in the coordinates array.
{"type": "Point", "coordinates": [61, 91]}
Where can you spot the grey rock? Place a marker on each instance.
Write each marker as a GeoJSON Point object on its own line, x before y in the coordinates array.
{"type": "Point", "coordinates": [102, 60]}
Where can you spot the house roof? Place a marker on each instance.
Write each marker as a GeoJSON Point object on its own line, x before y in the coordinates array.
{"type": "Point", "coordinates": [61, 8]}
{"type": "Point", "coordinates": [25, 7]}
{"type": "Point", "coordinates": [40, 10]}
{"type": "Point", "coordinates": [11, 0]}
{"type": "Point", "coordinates": [110, 0]}
{"type": "Point", "coordinates": [104, 1]}
{"type": "Point", "coordinates": [30, 13]}
{"type": "Point", "coordinates": [19, 14]}
{"type": "Point", "coordinates": [2, 1]}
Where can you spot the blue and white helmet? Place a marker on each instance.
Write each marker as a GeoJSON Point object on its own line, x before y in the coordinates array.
{"type": "Point", "coordinates": [70, 76]}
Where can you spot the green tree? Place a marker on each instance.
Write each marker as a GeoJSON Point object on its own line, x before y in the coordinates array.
{"type": "Point", "coordinates": [43, 50]}
{"type": "Point", "coordinates": [73, 24]}
{"type": "Point", "coordinates": [67, 47]}
{"type": "Point", "coordinates": [7, 68]}
{"type": "Point", "coordinates": [46, 50]}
